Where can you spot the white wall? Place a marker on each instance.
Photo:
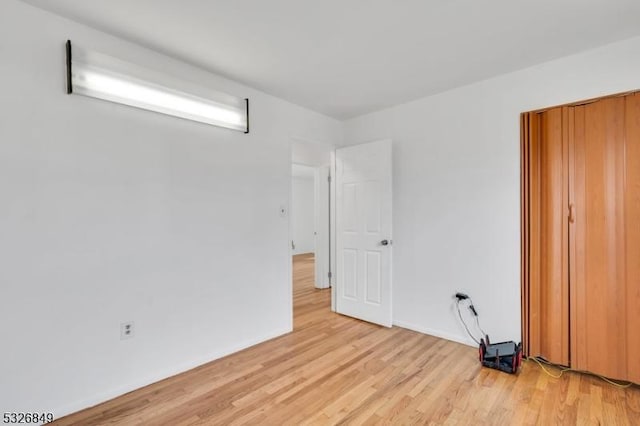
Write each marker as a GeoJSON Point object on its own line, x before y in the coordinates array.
{"type": "Point", "coordinates": [456, 186]}
{"type": "Point", "coordinates": [310, 153]}
{"type": "Point", "coordinates": [303, 214]}
{"type": "Point", "coordinates": [113, 214]}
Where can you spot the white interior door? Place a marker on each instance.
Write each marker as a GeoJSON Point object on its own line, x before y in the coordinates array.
{"type": "Point", "coordinates": [363, 232]}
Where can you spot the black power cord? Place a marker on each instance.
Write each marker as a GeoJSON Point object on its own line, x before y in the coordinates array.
{"type": "Point", "coordinates": [461, 297]}
{"type": "Point", "coordinates": [465, 324]}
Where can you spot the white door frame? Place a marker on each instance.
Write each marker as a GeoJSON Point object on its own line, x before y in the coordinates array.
{"type": "Point", "coordinates": [322, 181]}
{"type": "Point", "coordinates": [332, 230]}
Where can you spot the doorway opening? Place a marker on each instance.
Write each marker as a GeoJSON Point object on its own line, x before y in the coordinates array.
{"type": "Point", "coordinates": [304, 228]}
{"type": "Point", "coordinates": [310, 221]}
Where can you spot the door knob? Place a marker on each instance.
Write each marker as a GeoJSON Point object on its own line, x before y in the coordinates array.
{"type": "Point", "coordinates": [572, 215]}
{"type": "Point", "coordinates": [384, 242]}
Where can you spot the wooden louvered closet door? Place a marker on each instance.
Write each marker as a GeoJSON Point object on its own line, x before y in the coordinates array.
{"type": "Point", "coordinates": [548, 295]}
{"type": "Point", "coordinates": [581, 236]}
{"type": "Point", "coordinates": [605, 237]}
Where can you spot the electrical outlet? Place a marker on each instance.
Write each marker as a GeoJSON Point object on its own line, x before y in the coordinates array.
{"type": "Point", "coordinates": [126, 330]}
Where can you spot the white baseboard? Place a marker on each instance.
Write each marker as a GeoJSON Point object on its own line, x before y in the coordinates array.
{"type": "Point", "coordinates": [436, 333]}
{"type": "Point", "coordinates": [121, 390]}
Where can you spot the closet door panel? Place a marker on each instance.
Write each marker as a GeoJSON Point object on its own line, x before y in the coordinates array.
{"type": "Point", "coordinates": [599, 297]}
{"type": "Point", "coordinates": [546, 244]}
{"type": "Point", "coordinates": [553, 241]}
{"type": "Point", "coordinates": [525, 202]}
{"type": "Point", "coordinates": [632, 215]}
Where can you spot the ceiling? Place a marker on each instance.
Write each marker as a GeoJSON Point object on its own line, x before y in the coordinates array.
{"type": "Point", "coordinates": [345, 58]}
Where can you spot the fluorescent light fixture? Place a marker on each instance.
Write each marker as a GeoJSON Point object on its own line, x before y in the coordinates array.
{"type": "Point", "coordinates": [100, 76]}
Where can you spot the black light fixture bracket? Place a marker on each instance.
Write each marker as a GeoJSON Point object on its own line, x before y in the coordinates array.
{"type": "Point", "coordinates": [247, 102]}
{"type": "Point", "coordinates": [69, 82]}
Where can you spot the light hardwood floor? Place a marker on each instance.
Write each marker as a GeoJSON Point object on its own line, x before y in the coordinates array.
{"type": "Point", "coordinates": [336, 370]}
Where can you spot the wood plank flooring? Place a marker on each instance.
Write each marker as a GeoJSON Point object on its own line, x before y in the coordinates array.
{"type": "Point", "coordinates": [337, 370]}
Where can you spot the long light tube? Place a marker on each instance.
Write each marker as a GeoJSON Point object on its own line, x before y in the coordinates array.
{"type": "Point", "coordinates": [95, 78]}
